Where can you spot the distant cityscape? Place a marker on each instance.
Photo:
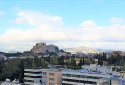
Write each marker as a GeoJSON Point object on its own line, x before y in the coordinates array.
{"type": "Point", "coordinates": [46, 64]}
{"type": "Point", "coordinates": [62, 42]}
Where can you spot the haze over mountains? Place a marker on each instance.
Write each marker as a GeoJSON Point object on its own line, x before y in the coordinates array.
{"type": "Point", "coordinates": [43, 47]}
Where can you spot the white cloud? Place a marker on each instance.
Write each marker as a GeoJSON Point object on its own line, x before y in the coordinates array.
{"type": "Point", "coordinates": [116, 20]}
{"type": "Point", "coordinates": [88, 24]}
{"type": "Point", "coordinates": [51, 29]}
{"type": "Point", "coordinates": [37, 18]}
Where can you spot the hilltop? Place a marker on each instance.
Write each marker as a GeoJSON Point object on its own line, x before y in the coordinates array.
{"type": "Point", "coordinates": [87, 50]}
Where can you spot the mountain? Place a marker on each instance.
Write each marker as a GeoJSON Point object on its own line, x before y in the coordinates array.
{"type": "Point", "coordinates": [86, 50]}
{"type": "Point", "coordinates": [12, 52]}
{"type": "Point", "coordinates": [43, 48]}
{"type": "Point", "coordinates": [1, 52]}
{"type": "Point", "coordinates": [104, 50]}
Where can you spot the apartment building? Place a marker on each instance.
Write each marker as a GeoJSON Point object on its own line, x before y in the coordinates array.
{"type": "Point", "coordinates": [51, 77]}
{"type": "Point", "coordinates": [93, 75]}
{"type": "Point", "coordinates": [84, 77]}
{"type": "Point", "coordinates": [122, 74]}
{"type": "Point", "coordinates": [33, 76]}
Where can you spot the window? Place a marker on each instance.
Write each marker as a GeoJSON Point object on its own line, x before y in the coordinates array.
{"type": "Point", "coordinates": [52, 79]}
{"type": "Point", "coordinates": [52, 74]}
{"type": "Point", "coordinates": [33, 76]}
{"type": "Point", "coordinates": [79, 81]}
{"type": "Point", "coordinates": [81, 76]}
{"type": "Point", "coordinates": [44, 73]}
{"type": "Point", "coordinates": [32, 72]}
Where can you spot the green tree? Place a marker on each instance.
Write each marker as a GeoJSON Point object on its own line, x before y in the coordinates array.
{"type": "Point", "coordinates": [80, 62]}
{"type": "Point", "coordinates": [21, 76]}
{"type": "Point", "coordinates": [83, 61]}
{"type": "Point", "coordinates": [54, 60]}
{"type": "Point", "coordinates": [73, 62]}
{"type": "Point", "coordinates": [61, 60]}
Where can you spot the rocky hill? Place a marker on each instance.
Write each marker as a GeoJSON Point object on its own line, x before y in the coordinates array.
{"type": "Point", "coordinates": [43, 48]}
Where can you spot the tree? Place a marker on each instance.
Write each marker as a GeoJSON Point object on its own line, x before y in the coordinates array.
{"type": "Point", "coordinates": [36, 61]}
{"type": "Point", "coordinates": [21, 76]}
{"type": "Point", "coordinates": [11, 69]}
{"type": "Point", "coordinates": [61, 60]}
{"type": "Point", "coordinates": [54, 60]}
{"type": "Point", "coordinates": [48, 53]}
{"type": "Point", "coordinates": [1, 67]}
{"type": "Point", "coordinates": [83, 61]}
{"type": "Point", "coordinates": [80, 62]}
{"type": "Point", "coordinates": [73, 62]}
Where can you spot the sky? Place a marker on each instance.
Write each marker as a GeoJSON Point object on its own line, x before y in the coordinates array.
{"type": "Point", "coordinates": [65, 23]}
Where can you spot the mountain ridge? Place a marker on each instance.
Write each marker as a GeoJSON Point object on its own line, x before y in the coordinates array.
{"type": "Point", "coordinates": [87, 50]}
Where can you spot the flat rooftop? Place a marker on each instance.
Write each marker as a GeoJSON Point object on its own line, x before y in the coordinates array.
{"type": "Point", "coordinates": [85, 71]}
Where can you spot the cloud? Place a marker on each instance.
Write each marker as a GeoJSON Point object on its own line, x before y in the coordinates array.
{"type": "Point", "coordinates": [37, 18]}
{"type": "Point", "coordinates": [51, 29]}
{"type": "Point", "coordinates": [17, 37]}
{"type": "Point", "coordinates": [43, 30]}
{"type": "Point", "coordinates": [88, 24]}
{"type": "Point", "coordinates": [116, 20]}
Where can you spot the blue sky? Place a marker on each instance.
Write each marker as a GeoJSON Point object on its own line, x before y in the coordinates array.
{"type": "Point", "coordinates": [77, 10]}
{"type": "Point", "coordinates": [98, 14]}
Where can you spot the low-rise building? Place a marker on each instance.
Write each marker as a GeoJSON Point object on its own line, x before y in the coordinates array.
{"type": "Point", "coordinates": [84, 77]}
{"type": "Point", "coordinates": [122, 74]}
{"type": "Point", "coordinates": [117, 81]}
{"type": "Point", "coordinates": [33, 76]}
{"type": "Point", "coordinates": [92, 75]}
{"type": "Point", "coordinates": [89, 75]}
{"type": "Point", "coordinates": [42, 77]}
{"type": "Point", "coordinates": [51, 77]}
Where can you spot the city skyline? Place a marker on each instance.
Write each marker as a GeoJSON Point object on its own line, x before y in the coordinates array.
{"type": "Point", "coordinates": [67, 23]}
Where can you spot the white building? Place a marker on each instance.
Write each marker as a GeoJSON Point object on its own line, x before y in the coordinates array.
{"type": "Point", "coordinates": [6, 82]}
{"type": "Point", "coordinates": [84, 77]}
{"type": "Point", "coordinates": [92, 75]}
{"type": "Point", "coordinates": [32, 76]}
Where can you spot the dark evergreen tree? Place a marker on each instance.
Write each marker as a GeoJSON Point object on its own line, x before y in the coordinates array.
{"type": "Point", "coordinates": [80, 63]}
{"type": "Point", "coordinates": [21, 76]}
{"type": "Point", "coordinates": [73, 62]}
{"type": "Point", "coordinates": [36, 61]}
{"type": "Point", "coordinates": [83, 61]}
{"type": "Point", "coordinates": [61, 60]}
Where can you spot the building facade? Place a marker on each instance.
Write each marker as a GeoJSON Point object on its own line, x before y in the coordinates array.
{"type": "Point", "coordinates": [98, 76]}
{"type": "Point", "coordinates": [51, 77]}
{"type": "Point", "coordinates": [84, 77]}
{"type": "Point", "coordinates": [33, 76]}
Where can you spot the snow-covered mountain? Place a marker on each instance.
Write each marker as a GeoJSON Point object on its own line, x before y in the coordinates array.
{"type": "Point", "coordinates": [12, 52]}
{"type": "Point", "coordinates": [86, 50]}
